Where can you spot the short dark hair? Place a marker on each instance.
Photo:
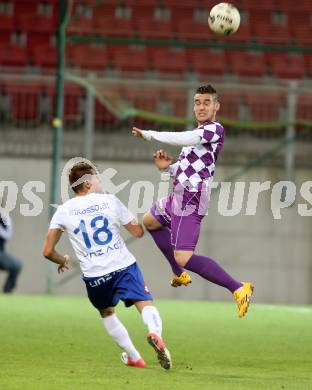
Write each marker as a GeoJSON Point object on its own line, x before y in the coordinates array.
{"type": "Point", "coordinates": [77, 172]}
{"type": "Point", "coordinates": [206, 89]}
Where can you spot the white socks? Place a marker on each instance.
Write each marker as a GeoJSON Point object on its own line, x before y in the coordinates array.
{"type": "Point", "coordinates": [120, 335]}
{"type": "Point", "coordinates": [152, 320]}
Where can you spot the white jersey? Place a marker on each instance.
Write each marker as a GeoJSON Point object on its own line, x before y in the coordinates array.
{"type": "Point", "coordinates": [92, 223]}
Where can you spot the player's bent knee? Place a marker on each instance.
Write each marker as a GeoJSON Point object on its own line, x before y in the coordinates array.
{"type": "Point", "coordinates": [182, 257]}
{"type": "Point", "coordinates": [141, 304]}
{"type": "Point", "coordinates": [150, 222]}
{"type": "Point", "coordinates": [107, 312]}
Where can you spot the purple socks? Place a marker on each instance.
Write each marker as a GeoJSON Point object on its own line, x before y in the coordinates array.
{"type": "Point", "coordinates": [212, 271]}
{"type": "Point", "coordinates": [162, 239]}
{"type": "Point", "coordinates": [201, 265]}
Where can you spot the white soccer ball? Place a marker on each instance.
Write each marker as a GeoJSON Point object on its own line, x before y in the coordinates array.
{"type": "Point", "coordinates": [224, 19]}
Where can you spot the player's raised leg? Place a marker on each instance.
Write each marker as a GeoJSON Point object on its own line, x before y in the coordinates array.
{"type": "Point", "coordinates": [152, 320]}
{"type": "Point", "coordinates": [119, 333]}
{"type": "Point", "coordinates": [185, 234]}
{"type": "Point", "coordinates": [210, 270]}
{"type": "Point", "coordinates": [160, 233]}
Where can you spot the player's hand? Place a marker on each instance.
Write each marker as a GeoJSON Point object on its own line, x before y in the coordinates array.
{"type": "Point", "coordinates": [63, 267]}
{"type": "Point", "coordinates": [162, 160]}
{"type": "Point", "coordinates": [137, 132]}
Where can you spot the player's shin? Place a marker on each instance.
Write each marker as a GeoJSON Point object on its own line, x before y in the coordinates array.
{"type": "Point", "coordinates": [152, 320]}
{"type": "Point", "coordinates": [162, 239]}
{"type": "Point", "coordinates": [120, 335]}
{"type": "Point", "coordinates": [212, 271]}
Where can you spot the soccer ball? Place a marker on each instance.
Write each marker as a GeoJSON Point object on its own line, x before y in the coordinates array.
{"type": "Point", "coordinates": [224, 19]}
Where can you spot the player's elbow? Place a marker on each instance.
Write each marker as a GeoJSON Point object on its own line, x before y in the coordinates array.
{"type": "Point", "coordinates": [47, 252]}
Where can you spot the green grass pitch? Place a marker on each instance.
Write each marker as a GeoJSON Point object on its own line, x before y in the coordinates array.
{"type": "Point", "coordinates": [54, 342]}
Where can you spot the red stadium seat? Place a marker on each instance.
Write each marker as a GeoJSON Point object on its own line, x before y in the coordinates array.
{"type": "Point", "coordinates": [290, 5]}
{"type": "Point", "coordinates": [190, 3]}
{"type": "Point", "coordinates": [308, 64]}
{"type": "Point", "coordinates": [44, 56]}
{"type": "Point", "coordinates": [264, 107]}
{"type": "Point", "coordinates": [88, 57]}
{"type": "Point", "coordinates": [192, 30]}
{"type": "Point", "coordinates": [114, 27]}
{"type": "Point", "coordinates": [272, 34]}
{"type": "Point", "coordinates": [72, 94]}
{"type": "Point", "coordinates": [303, 34]}
{"type": "Point", "coordinates": [6, 22]}
{"type": "Point", "coordinates": [81, 25]}
{"type": "Point", "coordinates": [144, 12]}
{"type": "Point", "coordinates": [5, 37]}
{"type": "Point", "coordinates": [298, 17]}
{"type": "Point", "coordinates": [13, 55]}
{"type": "Point", "coordinates": [154, 29]}
{"type": "Point", "coordinates": [24, 100]}
{"type": "Point", "coordinates": [168, 61]}
{"type": "Point", "coordinates": [143, 3]}
{"type": "Point", "coordinates": [130, 59]}
{"type": "Point", "coordinates": [229, 105]}
{"type": "Point", "coordinates": [263, 5]}
{"type": "Point", "coordinates": [304, 107]}
{"type": "Point", "coordinates": [139, 99]}
{"type": "Point", "coordinates": [36, 23]}
{"type": "Point", "coordinates": [25, 7]}
{"type": "Point", "coordinates": [183, 12]}
{"type": "Point", "coordinates": [103, 10]}
{"type": "Point", "coordinates": [256, 18]}
{"type": "Point", "coordinates": [207, 62]}
{"type": "Point", "coordinates": [249, 64]}
{"type": "Point", "coordinates": [34, 39]}
{"type": "Point", "coordinates": [287, 66]}
{"type": "Point", "coordinates": [102, 114]}
{"type": "Point", "coordinates": [178, 98]}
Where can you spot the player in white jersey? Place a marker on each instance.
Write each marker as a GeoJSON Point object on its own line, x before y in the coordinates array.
{"type": "Point", "coordinates": [92, 220]}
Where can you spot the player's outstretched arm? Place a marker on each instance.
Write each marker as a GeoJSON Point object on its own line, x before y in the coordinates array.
{"type": "Point", "coordinates": [51, 254]}
{"type": "Point", "coordinates": [135, 228]}
{"type": "Point", "coordinates": [183, 138]}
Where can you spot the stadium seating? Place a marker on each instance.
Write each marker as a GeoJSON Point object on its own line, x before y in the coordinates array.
{"type": "Point", "coordinates": [24, 102]}
{"type": "Point", "coordinates": [44, 56]}
{"type": "Point", "coordinates": [36, 23]}
{"type": "Point", "coordinates": [87, 57]}
{"type": "Point", "coordinates": [304, 107]}
{"type": "Point", "coordinates": [168, 60]}
{"type": "Point", "coordinates": [27, 37]}
{"type": "Point", "coordinates": [247, 64]}
{"type": "Point", "coordinates": [207, 62]}
{"type": "Point", "coordinates": [131, 59]}
{"type": "Point", "coordinates": [72, 95]}
{"type": "Point", "coordinates": [6, 23]}
{"type": "Point", "coordinates": [287, 65]}
{"type": "Point", "coordinates": [268, 110]}
{"type": "Point", "coordinates": [13, 55]}
{"type": "Point", "coordinates": [229, 105]}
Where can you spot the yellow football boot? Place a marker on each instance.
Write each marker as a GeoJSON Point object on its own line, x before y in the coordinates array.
{"type": "Point", "coordinates": [242, 297]}
{"type": "Point", "coordinates": [183, 280]}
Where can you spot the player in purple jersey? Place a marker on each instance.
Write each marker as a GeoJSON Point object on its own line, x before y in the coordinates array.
{"type": "Point", "coordinates": [174, 221]}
